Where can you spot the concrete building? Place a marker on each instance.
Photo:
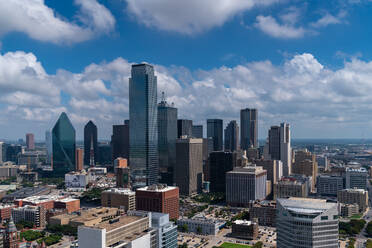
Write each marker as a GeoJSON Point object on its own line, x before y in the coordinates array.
{"type": "Point", "coordinates": [220, 163]}
{"type": "Point", "coordinates": [197, 131]}
{"type": "Point", "coordinates": [6, 212]}
{"type": "Point", "coordinates": [34, 214]}
{"type": "Point", "coordinates": [244, 185]}
{"type": "Point", "coordinates": [232, 137]}
{"type": "Point", "coordinates": [184, 128]}
{"type": "Point", "coordinates": [8, 171]}
{"type": "Point", "coordinates": [305, 164]}
{"type": "Point", "coordinates": [274, 169]}
{"type": "Point", "coordinates": [69, 204]}
{"type": "Point", "coordinates": [290, 187]}
{"type": "Point", "coordinates": [328, 185]}
{"type": "Point", "coordinates": [125, 232]}
{"type": "Point", "coordinates": [356, 178]}
{"type": "Point", "coordinates": [249, 128]}
{"type": "Point", "coordinates": [307, 223]}
{"type": "Point", "coordinates": [158, 198]}
{"type": "Point", "coordinates": [76, 181]}
{"type": "Point", "coordinates": [215, 131]}
{"type": "Point", "coordinates": [279, 146]}
{"type": "Point", "coordinates": [166, 231]}
{"type": "Point", "coordinates": [202, 226]}
{"type": "Point", "coordinates": [264, 212]}
{"type": "Point", "coordinates": [120, 141]}
{"type": "Point", "coordinates": [30, 141]}
{"type": "Point", "coordinates": [79, 159]}
{"type": "Point", "coordinates": [188, 173]}
{"type": "Point", "coordinates": [351, 196]}
{"type": "Point", "coordinates": [119, 198]}
{"type": "Point", "coordinates": [243, 229]}
{"type": "Point", "coordinates": [348, 210]}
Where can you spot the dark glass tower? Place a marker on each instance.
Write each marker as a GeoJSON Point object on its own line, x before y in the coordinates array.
{"type": "Point", "coordinates": [214, 131]}
{"type": "Point", "coordinates": [184, 128]}
{"type": "Point", "coordinates": [120, 141]}
{"type": "Point", "coordinates": [90, 144]}
{"type": "Point", "coordinates": [143, 132]}
{"type": "Point", "coordinates": [167, 136]}
{"type": "Point", "coordinates": [64, 146]}
{"type": "Point", "coordinates": [232, 137]}
{"type": "Point", "coordinates": [197, 131]}
{"type": "Point", "coordinates": [249, 128]}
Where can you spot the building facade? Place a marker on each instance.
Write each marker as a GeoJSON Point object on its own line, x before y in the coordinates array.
{"type": "Point", "coordinates": [119, 198]}
{"type": "Point", "coordinates": [289, 187]}
{"type": "Point", "coordinates": [215, 131]}
{"type": "Point", "coordinates": [356, 178]}
{"type": "Point", "coordinates": [30, 141]}
{"type": "Point", "coordinates": [90, 144]}
{"type": "Point", "coordinates": [305, 164]}
{"type": "Point", "coordinates": [220, 163]}
{"type": "Point", "coordinates": [232, 137]}
{"type": "Point", "coordinates": [329, 185]}
{"type": "Point", "coordinates": [197, 131]}
{"type": "Point", "coordinates": [279, 146]}
{"type": "Point", "coordinates": [184, 128]}
{"type": "Point", "coordinates": [120, 141]}
{"type": "Point", "coordinates": [249, 128]}
{"type": "Point", "coordinates": [354, 196]}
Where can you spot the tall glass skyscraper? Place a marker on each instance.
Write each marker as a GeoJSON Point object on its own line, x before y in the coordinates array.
{"type": "Point", "coordinates": [249, 128]}
{"type": "Point", "coordinates": [215, 131]}
{"type": "Point", "coordinates": [49, 145]}
{"type": "Point", "coordinates": [64, 146]}
{"type": "Point", "coordinates": [143, 131]}
{"type": "Point", "coordinates": [232, 137]}
{"type": "Point", "coordinates": [167, 136]}
{"type": "Point", "coordinates": [90, 144]}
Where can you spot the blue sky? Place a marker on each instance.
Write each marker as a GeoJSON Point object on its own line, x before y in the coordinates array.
{"type": "Point", "coordinates": [303, 62]}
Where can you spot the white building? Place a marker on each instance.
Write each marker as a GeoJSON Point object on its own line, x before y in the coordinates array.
{"type": "Point", "coordinates": [201, 225]}
{"type": "Point", "coordinates": [166, 232]}
{"type": "Point", "coordinates": [76, 181]}
{"type": "Point", "coordinates": [306, 223]}
{"type": "Point", "coordinates": [356, 178]}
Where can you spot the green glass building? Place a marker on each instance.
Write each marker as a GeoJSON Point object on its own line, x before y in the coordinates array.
{"type": "Point", "coordinates": [64, 146]}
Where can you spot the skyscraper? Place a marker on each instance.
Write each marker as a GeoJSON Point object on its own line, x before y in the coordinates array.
{"type": "Point", "coordinates": [220, 163]}
{"type": "Point", "coordinates": [90, 141]}
{"type": "Point", "coordinates": [249, 128]}
{"type": "Point", "coordinates": [79, 159]}
{"type": "Point", "coordinates": [167, 136]}
{"type": "Point", "coordinates": [214, 131]}
{"type": "Point", "coordinates": [143, 132]}
{"type": "Point", "coordinates": [64, 146]}
{"type": "Point", "coordinates": [120, 141]}
{"type": "Point", "coordinates": [30, 141]}
{"type": "Point", "coordinates": [184, 127]}
{"type": "Point", "coordinates": [49, 145]}
{"type": "Point", "coordinates": [232, 137]}
{"type": "Point", "coordinates": [197, 131]}
{"type": "Point", "coordinates": [280, 146]}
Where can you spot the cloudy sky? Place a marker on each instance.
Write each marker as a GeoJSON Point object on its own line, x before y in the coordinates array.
{"type": "Point", "coordinates": [308, 63]}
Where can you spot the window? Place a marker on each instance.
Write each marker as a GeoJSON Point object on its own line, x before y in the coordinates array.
{"type": "Point", "coordinates": [324, 217]}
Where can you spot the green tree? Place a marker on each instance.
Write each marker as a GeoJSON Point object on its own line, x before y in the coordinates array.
{"type": "Point", "coordinates": [259, 244]}
{"type": "Point", "coordinates": [199, 230]}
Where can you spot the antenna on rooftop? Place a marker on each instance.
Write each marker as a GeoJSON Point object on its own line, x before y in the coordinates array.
{"type": "Point", "coordinates": [162, 96]}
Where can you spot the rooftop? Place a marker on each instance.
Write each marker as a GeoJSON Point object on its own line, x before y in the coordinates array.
{"type": "Point", "coordinates": [118, 222]}
{"type": "Point", "coordinates": [122, 191]}
{"type": "Point", "coordinates": [243, 222]}
{"type": "Point", "coordinates": [306, 205]}
{"type": "Point", "coordinates": [157, 188]}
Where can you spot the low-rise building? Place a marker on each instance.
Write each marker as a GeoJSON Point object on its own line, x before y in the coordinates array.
{"type": "Point", "coordinates": [356, 178]}
{"type": "Point", "coordinates": [34, 214]}
{"type": "Point", "coordinates": [6, 211]}
{"type": "Point", "coordinates": [351, 196]}
{"type": "Point", "coordinates": [290, 187]}
{"type": "Point", "coordinates": [244, 229]}
{"type": "Point", "coordinates": [119, 198]}
{"type": "Point", "coordinates": [329, 185]}
{"type": "Point", "coordinates": [76, 181]}
{"type": "Point", "coordinates": [264, 212]}
{"type": "Point", "coordinates": [201, 225]}
{"type": "Point", "coordinates": [70, 204]}
{"type": "Point", "coordinates": [47, 201]}
{"type": "Point", "coordinates": [348, 210]}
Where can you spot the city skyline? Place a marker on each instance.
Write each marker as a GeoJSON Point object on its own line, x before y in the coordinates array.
{"type": "Point", "coordinates": [80, 63]}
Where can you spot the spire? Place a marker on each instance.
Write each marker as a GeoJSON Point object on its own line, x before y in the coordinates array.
{"type": "Point", "coordinates": [11, 226]}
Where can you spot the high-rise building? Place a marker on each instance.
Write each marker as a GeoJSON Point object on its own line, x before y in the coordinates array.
{"type": "Point", "coordinates": [356, 178]}
{"type": "Point", "coordinates": [249, 128]}
{"type": "Point", "coordinates": [328, 185]}
{"type": "Point", "coordinates": [305, 164]}
{"type": "Point", "coordinates": [197, 131]}
{"type": "Point", "coordinates": [280, 146]}
{"type": "Point", "coordinates": [245, 184]}
{"type": "Point", "coordinates": [220, 163]}
{"type": "Point", "coordinates": [215, 131]}
{"type": "Point", "coordinates": [120, 141]}
{"type": "Point", "coordinates": [307, 223]}
{"type": "Point", "coordinates": [290, 187]}
{"type": "Point", "coordinates": [104, 153]}
{"type": "Point", "coordinates": [184, 128]}
{"type": "Point", "coordinates": [232, 137]}
{"type": "Point", "coordinates": [167, 136]}
{"type": "Point", "coordinates": [158, 198]}
{"type": "Point", "coordinates": [49, 145]}
{"type": "Point", "coordinates": [12, 151]}
{"type": "Point", "coordinates": [2, 152]}
{"type": "Point", "coordinates": [143, 132]}
{"type": "Point", "coordinates": [119, 198]}
{"type": "Point", "coordinates": [64, 146]}
{"type": "Point", "coordinates": [90, 144]}
{"type": "Point", "coordinates": [166, 230]}
{"type": "Point", "coordinates": [30, 141]}
{"type": "Point", "coordinates": [188, 173]}
{"type": "Point", "coordinates": [79, 159]}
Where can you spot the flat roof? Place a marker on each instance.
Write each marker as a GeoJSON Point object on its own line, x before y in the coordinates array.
{"type": "Point", "coordinates": [157, 188]}
{"type": "Point", "coordinates": [122, 221]}
{"type": "Point", "coordinates": [306, 205]}
{"type": "Point", "coordinates": [123, 191]}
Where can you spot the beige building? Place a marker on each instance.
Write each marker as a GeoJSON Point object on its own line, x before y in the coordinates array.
{"type": "Point", "coordinates": [305, 163]}
{"type": "Point", "coordinates": [348, 210]}
{"type": "Point", "coordinates": [119, 198]}
{"type": "Point", "coordinates": [351, 196]}
{"type": "Point", "coordinates": [288, 187]}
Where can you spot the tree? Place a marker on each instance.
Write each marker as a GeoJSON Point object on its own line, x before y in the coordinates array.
{"type": "Point", "coordinates": [184, 245]}
{"type": "Point", "coordinates": [259, 244]}
{"type": "Point", "coordinates": [199, 230]}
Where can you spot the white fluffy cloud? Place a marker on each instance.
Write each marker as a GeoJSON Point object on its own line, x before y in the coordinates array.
{"type": "Point", "coordinates": [38, 21]}
{"type": "Point", "coordinates": [270, 26]}
{"type": "Point", "coordinates": [191, 16]}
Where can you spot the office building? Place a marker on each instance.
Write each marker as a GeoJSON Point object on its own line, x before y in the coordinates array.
{"type": "Point", "coordinates": [184, 128]}
{"type": "Point", "coordinates": [6, 212]}
{"type": "Point", "coordinates": [119, 198]}
{"type": "Point", "coordinates": [207, 149]}
{"type": "Point", "coordinates": [143, 131]}
{"type": "Point", "coordinates": [2, 152]}
{"type": "Point", "coordinates": [8, 171]}
{"type": "Point", "coordinates": [356, 178]}
{"type": "Point", "coordinates": [197, 131]}
{"type": "Point", "coordinates": [79, 159]}
{"type": "Point", "coordinates": [274, 169]}
{"type": "Point", "coordinates": [328, 185]}
{"type": "Point", "coordinates": [245, 184]}
{"type": "Point", "coordinates": [64, 146]}
{"type": "Point", "coordinates": [351, 196]}
{"type": "Point", "coordinates": [279, 146]}
{"type": "Point", "coordinates": [244, 229]}
{"type": "Point", "coordinates": [49, 146]}
{"type": "Point", "coordinates": [348, 210]}
{"type": "Point", "coordinates": [125, 231]}
{"type": "Point", "coordinates": [122, 173]}
{"type": "Point", "coordinates": [202, 226]}
{"type": "Point", "coordinates": [188, 173]}
{"type": "Point", "coordinates": [220, 163]}
{"type": "Point", "coordinates": [166, 231]}
{"type": "Point", "coordinates": [232, 137]}
{"type": "Point", "coordinates": [67, 205]}
{"type": "Point", "coordinates": [249, 128]}
{"type": "Point", "coordinates": [290, 187]}
{"type": "Point", "coordinates": [167, 136]}
{"type": "Point", "coordinates": [264, 212]}
{"type": "Point", "coordinates": [215, 131]}
{"type": "Point", "coordinates": [12, 152]}
{"type": "Point", "coordinates": [305, 164]}
{"type": "Point", "coordinates": [158, 198]}
{"type": "Point", "coordinates": [120, 141]}
{"type": "Point", "coordinates": [307, 223]}
{"type": "Point", "coordinates": [104, 154]}
{"type": "Point", "coordinates": [90, 144]}
{"type": "Point", "coordinates": [33, 214]}
{"type": "Point", "coordinates": [76, 181]}
{"type": "Point", "coordinates": [30, 141]}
